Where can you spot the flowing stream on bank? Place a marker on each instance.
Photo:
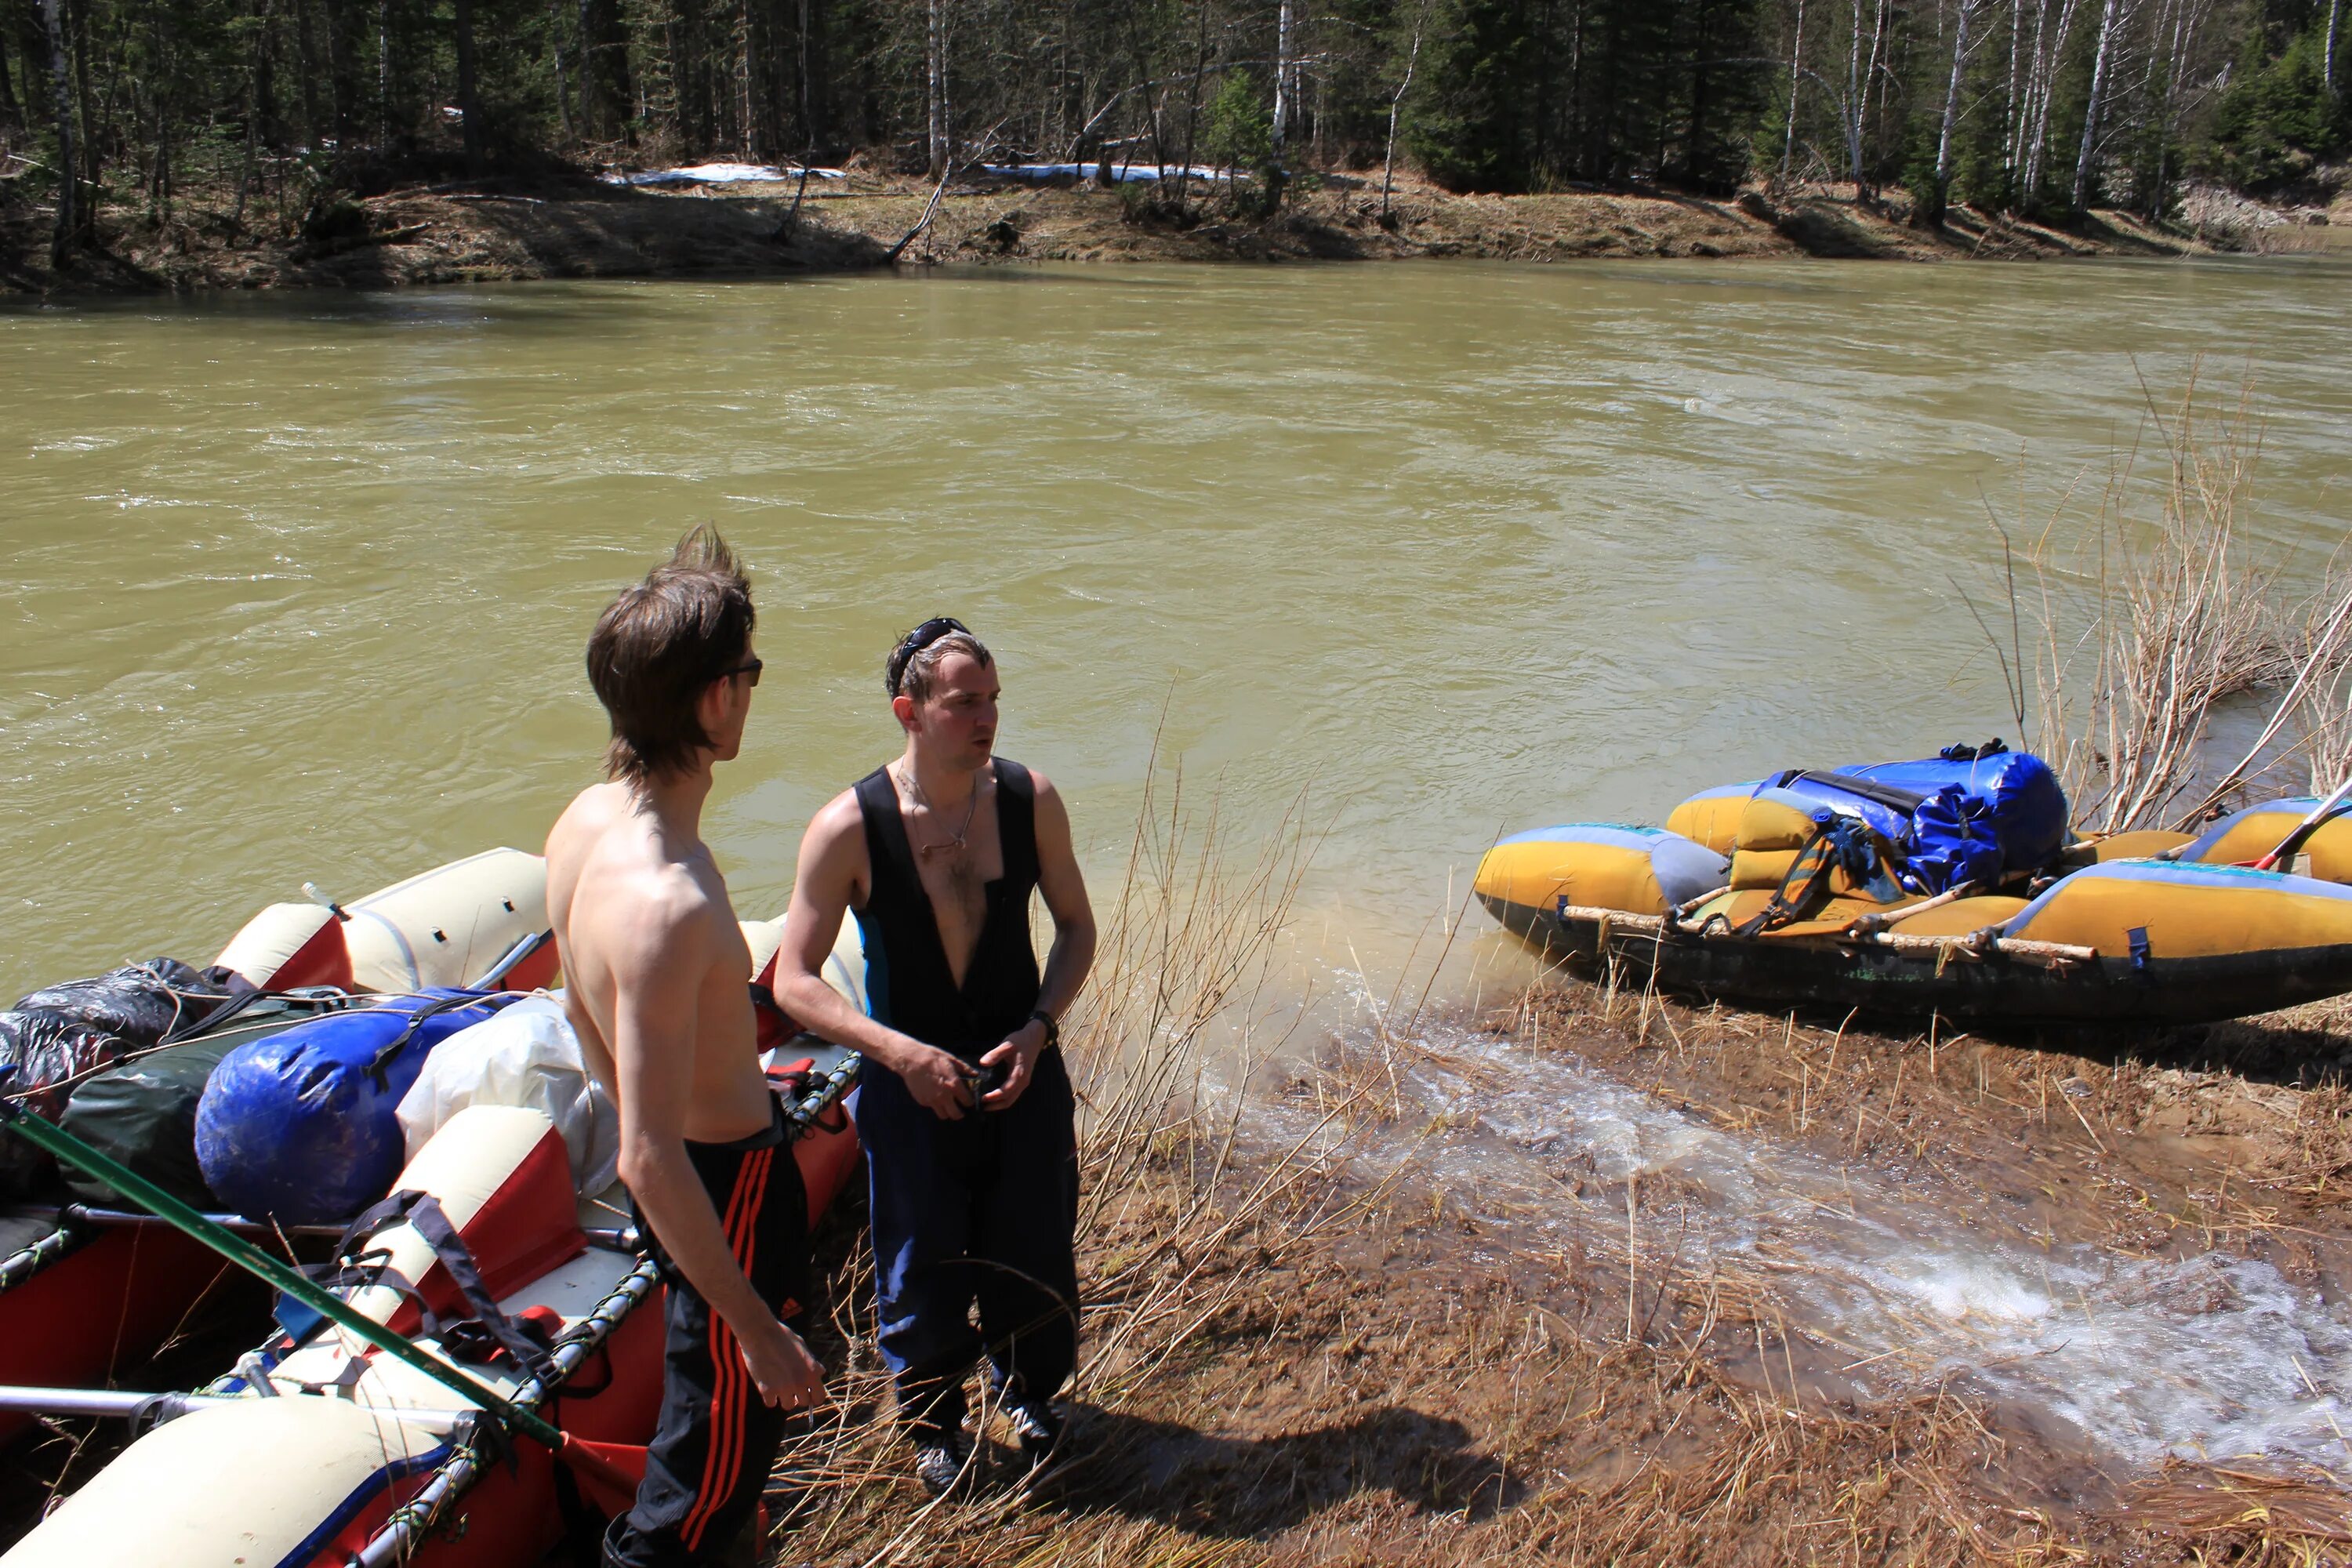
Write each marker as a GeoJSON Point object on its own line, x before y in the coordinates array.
{"type": "Point", "coordinates": [1873, 1285]}
{"type": "Point", "coordinates": [299, 585]}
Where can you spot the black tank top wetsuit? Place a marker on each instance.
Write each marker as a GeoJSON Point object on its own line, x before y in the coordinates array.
{"type": "Point", "coordinates": [907, 978]}
{"type": "Point", "coordinates": [978, 1211]}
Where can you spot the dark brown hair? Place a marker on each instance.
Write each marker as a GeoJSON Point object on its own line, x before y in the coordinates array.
{"type": "Point", "coordinates": [919, 677]}
{"type": "Point", "coordinates": [658, 645]}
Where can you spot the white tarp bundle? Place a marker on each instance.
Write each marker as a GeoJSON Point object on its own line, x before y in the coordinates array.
{"type": "Point", "coordinates": [720, 174]}
{"type": "Point", "coordinates": [525, 1055]}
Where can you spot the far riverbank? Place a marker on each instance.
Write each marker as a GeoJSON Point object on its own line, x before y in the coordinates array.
{"type": "Point", "coordinates": [505, 230]}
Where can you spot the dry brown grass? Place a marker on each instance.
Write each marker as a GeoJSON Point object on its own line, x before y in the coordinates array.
{"type": "Point", "coordinates": [1292, 1361]}
{"type": "Point", "coordinates": [2132, 626]}
{"type": "Point", "coordinates": [1179, 1215]}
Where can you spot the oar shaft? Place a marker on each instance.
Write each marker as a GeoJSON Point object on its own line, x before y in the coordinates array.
{"type": "Point", "coordinates": [42, 1134]}
{"type": "Point", "coordinates": [2303, 829]}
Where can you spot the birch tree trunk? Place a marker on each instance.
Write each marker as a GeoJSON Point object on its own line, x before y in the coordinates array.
{"type": "Point", "coordinates": [1854, 90]}
{"type": "Point", "coordinates": [1283, 93]}
{"type": "Point", "coordinates": [1412, 57]}
{"type": "Point", "coordinates": [1796, 61]}
{"type": "Point", "coordinates": [2327, 58]}
{"type": "Point", "coordinates": [1951, 111]}
{"type": "Point", "coordinates": [384, 73]}
{"type": "Point", "coordinates": [2013, 108]}
{"type": "Point", "coordinates": [746, 74]}
{"type": "Point", "coordinates": [935, 65]}
{"type": "Point", "coordinates": [2045, 75]}
{"type": "Point", "coordinates": [61, 243]}
{"type": "Point", "coordinates": [1861, 73]}
{"type": "Point", "coordinates": [2108, 16]}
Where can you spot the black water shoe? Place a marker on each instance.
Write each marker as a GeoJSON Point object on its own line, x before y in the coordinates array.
{"type": "Point", "coordinates": [942, 1460]}
{"type": "Point", "coordinates": [1039, 1428]}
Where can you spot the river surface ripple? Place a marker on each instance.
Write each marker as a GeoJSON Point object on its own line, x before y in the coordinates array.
{"type": "Point", "coordinates": [298, 587]}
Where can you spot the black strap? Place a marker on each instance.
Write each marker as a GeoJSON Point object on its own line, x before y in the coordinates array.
{"type": "Point", "coordinates": [584, 1527]}
{"type": "Point", "coordinates": [242, 994]}
{"type": "Point", "coordinates": [382, 1059]}
{"type": "Point", "coordinates": [1891, 795]}
{"type": "Point", "coordinates": [1805, 873]}
{"type": "Point", "coordinates": [423, 1213]}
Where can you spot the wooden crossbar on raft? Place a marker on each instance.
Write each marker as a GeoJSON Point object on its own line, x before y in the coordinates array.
{"type": "Point", "coordinates": [2045, 954]}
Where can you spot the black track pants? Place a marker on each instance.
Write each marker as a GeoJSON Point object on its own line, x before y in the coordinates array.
{"type": "Point", "coordinates": [710, 1455]}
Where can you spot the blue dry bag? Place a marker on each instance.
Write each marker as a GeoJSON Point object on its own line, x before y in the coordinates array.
{"type": "Point", "coordinates": [1975, 813]}
{"type": "Point", "coordinates": [303, 1125]}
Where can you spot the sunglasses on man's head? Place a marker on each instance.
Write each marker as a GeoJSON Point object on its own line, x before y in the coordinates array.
{"type": "Point", "coordinates": [916, 641]}
{"type": "Point", "coordinates": [751, 666]}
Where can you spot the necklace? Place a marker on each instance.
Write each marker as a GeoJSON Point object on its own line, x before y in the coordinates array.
{"type": "Point", "coordinates": [915, 791]}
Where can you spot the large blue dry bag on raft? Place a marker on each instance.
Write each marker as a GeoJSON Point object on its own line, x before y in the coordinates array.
{"type": "Point", "coordinates": [1977, 815]}
{"type": "Point", "coordinates": [304, 1125]}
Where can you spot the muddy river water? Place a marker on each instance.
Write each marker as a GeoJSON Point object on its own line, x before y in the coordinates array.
{"type": "Point", "coordinates": [296, 588]}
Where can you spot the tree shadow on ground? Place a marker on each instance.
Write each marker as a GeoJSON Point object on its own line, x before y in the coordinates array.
{"type": "Point", "coordinates": [1212, 1485]}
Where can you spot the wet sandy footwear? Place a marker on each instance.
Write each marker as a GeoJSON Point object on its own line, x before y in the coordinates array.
{"type": "Point", "coordinates": [1039, 1428]}
{"type": "Point", "coordinates": [943, 1461]}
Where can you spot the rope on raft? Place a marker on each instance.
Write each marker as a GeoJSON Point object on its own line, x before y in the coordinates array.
{"type": "Point", "coordinates": [53, 1248]}
{"type": "Point", "coordinates": [1984, 943]}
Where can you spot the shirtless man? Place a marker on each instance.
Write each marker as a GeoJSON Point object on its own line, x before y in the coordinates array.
{"type": "Point", "coordinates": [658, 989]}
{"type": "Point", "coordinates": [962, 1103]}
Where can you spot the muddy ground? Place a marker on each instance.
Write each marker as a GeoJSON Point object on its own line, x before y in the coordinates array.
{"type": "Point", "coordinates": [573, 226]}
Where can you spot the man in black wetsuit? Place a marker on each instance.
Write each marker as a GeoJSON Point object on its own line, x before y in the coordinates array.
{"type": "Point", "coordinates": [962, 1103]}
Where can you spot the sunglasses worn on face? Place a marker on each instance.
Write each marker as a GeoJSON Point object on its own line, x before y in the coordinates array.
{"type": "Point", "coordinates": [916, 641]}
{"type": "Point", "coordinates": [749, 667]}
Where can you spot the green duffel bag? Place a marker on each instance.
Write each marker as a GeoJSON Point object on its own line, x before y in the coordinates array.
{"type": "Point", "coordinates": [143, 1112]}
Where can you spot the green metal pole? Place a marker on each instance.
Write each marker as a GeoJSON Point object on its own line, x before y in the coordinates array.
{"type": "Point", "coordinates": [44, 1135]}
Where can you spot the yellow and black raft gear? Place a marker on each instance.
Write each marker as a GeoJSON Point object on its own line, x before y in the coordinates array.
{"type": "Point", "coordinates": [1809, 915]}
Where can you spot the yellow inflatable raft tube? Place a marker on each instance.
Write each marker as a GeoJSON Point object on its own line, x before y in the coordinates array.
{"type": "Point", "coordinates": [1761, 915]}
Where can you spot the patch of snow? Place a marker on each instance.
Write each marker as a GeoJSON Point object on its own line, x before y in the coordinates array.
{"type": "Point", "coordinates": [720, 174]}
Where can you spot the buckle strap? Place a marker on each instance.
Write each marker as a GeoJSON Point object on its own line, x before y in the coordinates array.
{"type": "Point", "coordinates": [423, 1213]}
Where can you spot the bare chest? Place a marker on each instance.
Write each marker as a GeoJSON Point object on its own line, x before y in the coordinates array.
{"type": "Point", "coordinates": [955, 869]}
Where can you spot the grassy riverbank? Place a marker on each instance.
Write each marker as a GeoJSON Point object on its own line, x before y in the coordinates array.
{"type": "Point", "coordinates": [1344, 1374]}
{"type": "Point", "coordinates": [568, 225]}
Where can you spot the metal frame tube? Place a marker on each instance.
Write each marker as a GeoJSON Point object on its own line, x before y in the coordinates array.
{"type": "Point", "coordinates": [47, 1252]}
{"type": "Point", "coordinates": [397, 1540]}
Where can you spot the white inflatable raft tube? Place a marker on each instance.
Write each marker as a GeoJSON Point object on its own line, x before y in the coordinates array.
{"type": "Point", "coordinates": [336, 1454]}
{"type": "Point", "coordinates": [273, 1480]}
{"type": "Point", "coordinates": [449, 926]}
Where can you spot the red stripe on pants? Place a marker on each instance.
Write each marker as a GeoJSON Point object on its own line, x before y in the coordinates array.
{"type": "Point", "coordinates": [724, 1462]}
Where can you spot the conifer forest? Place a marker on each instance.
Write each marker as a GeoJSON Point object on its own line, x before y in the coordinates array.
{"type": "Point", "coordinates": [2041, 107]}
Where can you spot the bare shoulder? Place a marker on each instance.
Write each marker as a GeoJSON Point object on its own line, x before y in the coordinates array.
{"type": "Point", "coordinates": [591, 811]}
{"type": "Point", "coordinates": [1041, 784]}
{"type": "Point", "coordinates": [650, 916]}
{"type": "Point", "coordinates": [1051, 807]}
{"type": "Point", "coordinates": [839, 819]}
{"type": "Point", "coordinates": [833, 865]}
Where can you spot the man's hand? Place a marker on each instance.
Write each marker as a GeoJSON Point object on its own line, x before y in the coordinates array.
{"type": "Point", "coordinates": [1019, 1052]}
{"type": "Point", "coordinates": [940, 1082]}
{"type": "Point", "coordinates": [780, 1364]}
